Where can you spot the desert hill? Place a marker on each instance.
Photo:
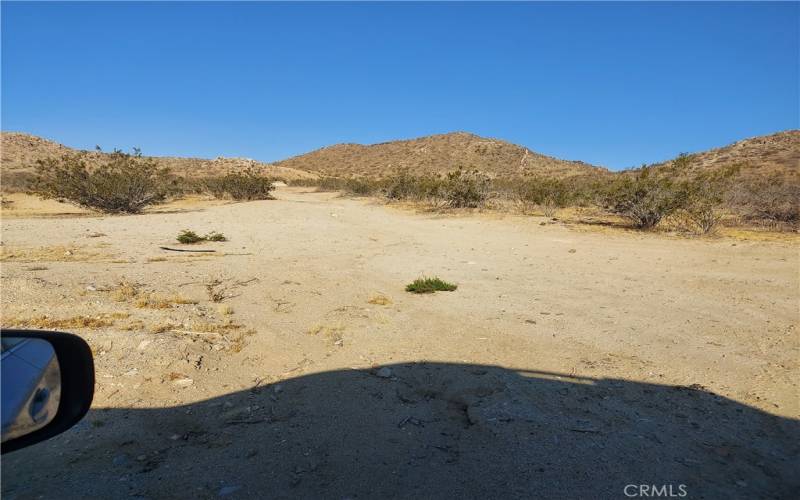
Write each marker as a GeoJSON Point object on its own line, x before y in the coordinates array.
{"type": "Point", "coordinates": [435, 154]}
{"type": "Point", "coordinates": [20, 152]}
{"type": "Point", "coordinates": [759, 156]}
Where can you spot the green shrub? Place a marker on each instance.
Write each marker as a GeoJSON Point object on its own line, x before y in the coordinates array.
{"type": "Point", "coordinates": [549, 194]}
{"type": "Point", "coordinates": [705, 196]}
{"type": "Point", "coordinates": [189, 237]}
{"type": "Point", "coordinates": [215, 236]}
{"type": "Point", "coordinates": [645, 197]}
{"type": "Point", "coordinates": [122, 183]}
{"type": "Point", "coordinates": [465, 189]}
{"type": "Point", "coordinates": [361, 187]}
{"type": "Point", "coordinates": [770, 200]}
{"type": "Point", "coordinates": [245, 185]}
{"type": "Point", "coordinates": [430, 285]}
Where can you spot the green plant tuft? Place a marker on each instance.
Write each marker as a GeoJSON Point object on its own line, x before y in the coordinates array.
{"type": "Point", "coordinates": [188, 237]}
{"type": "Point", "coordinates": [430, 285]}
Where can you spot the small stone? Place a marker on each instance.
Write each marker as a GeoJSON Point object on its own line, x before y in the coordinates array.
{"type": "Point", "coordinates": [91, 288]}
{"type": "Point", "coordinates": [175, 437]}
{"type": "Point", "coordinates": [183, 382]}
{"type": "Point", "coordinates": [278, 388]}
{"type": "Point", "coordinates": [384, 372]}
{"type": "Point", "coordinates": [141, 458]}
{"type": "Point", "coordinates": [131, 372]}
{"type": "Point", "coordinates": [741, 483]}
{"type": "Point", "coordinates": [227, 490]}
{"type": "Point", "coordinates": [121, 459]}
{"type": "Point", "coordinates": [143, 345]}
{"type": "Point", "coordinates": [572, 250]}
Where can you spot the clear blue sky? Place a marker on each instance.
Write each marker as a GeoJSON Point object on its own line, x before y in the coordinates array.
{"type": "Point", "coordinates": [612, 84]}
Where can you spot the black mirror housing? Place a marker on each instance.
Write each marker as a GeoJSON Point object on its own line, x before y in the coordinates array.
{"type": "Point", "coordinates": [77, 384]}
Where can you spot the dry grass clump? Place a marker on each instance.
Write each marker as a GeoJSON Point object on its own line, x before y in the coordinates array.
{"type": "Point", "coordinates": [163, 327]}
{"type": "Point", "coordinates": [334, 335]}
{"type": "Point", "coordinates": [46, 322]}
{"type": "Point", "coordinates": [380, 300]}
{"type": "Point", "coordinates": [55, 253]}
{"type": "Point", "coordinates": [126, 291]}
{"type": "Point", "coordinates": [225, 310]}
{"type": "Point", "coordinates": [155, 301]}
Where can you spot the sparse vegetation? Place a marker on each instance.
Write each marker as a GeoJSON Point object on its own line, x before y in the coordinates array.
{"type": "Point", "coordinates": [430, 285]}
{"type": "Point", "coordinates": [771, 201]}
{"type": "Point", "coordinates": [155, 301]}
{"type": "Point", "coordinates": [705, 197]}
{"type": "Point", "coordinates": [123, 183]}
{"type": "Point", "coordinates": [380, 300]}
{"type": "Point", "coordinates": [189, 237]}
{"type": "Point", "coordinates": [465, 189]}
{"type": "Point", "coordinates": [645, 197]}
{"type": "Point", "coordinates": [546, 193]}
{"type": "Point", "coordinates": [46, 322]}
{"type": "Point", "coordinates": [246, 185]}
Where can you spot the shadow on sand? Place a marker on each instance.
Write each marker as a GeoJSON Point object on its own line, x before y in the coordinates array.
{"type": "Point", "coordinates": [422, 430]}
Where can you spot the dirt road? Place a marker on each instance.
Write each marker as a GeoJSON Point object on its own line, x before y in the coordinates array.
{"type": "Point", "coordinates": [568, 362]}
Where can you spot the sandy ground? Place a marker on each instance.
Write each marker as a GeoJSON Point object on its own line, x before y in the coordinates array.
{"type": "Point", "coordinates": [568, 364]}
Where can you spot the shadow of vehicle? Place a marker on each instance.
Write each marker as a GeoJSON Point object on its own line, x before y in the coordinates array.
{"type": "Point", "coordinates": [423, 430]}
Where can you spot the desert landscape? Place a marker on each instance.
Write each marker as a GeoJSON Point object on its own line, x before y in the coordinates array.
{"type": "Point", "coordinates": [289, 361]}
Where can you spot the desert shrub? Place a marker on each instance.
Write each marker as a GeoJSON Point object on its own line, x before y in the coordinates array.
{"type": "Point", "coordinates": [330, 184]}
{"type": "Point", "coordinates": [430, 285]}
{"type": "Point", "coordinates": [245, 185]}
{"type": "Point", "coordinates": [215, 236]}
{"type": "Point", "coordinates": [549, 194]}
{"type": "Point", "coordinates": [465, 189]}
{"type": "Point", "coordinates": [122, 183]}
{"type": "Point", "coordinates": [361, 187]}
{"type": "Point", "coordinates": [645, 197]}
{"type": "Point", "coordinates": [771, 201]}
{"type": "Point", "coordinates": [405, 186]}
{"type": "Point", "coordinates": [188, 237]}
{"type": "Point", "coordinates": [705, 197]}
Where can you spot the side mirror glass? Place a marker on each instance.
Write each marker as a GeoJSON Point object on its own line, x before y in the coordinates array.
{"type": "Point", "coordinates": [31, 382]}
{"type": "Point", "coordinates": [47, 385]}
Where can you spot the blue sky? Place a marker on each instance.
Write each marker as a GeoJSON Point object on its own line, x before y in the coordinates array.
{"type": "Point", "coordinates": [615, 84]}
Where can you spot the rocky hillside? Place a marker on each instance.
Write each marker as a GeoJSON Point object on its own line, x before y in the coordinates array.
{"type": "Point", "coordinates": [760, 156]}
{"type": "Point", "coordinates": [20, 152]}
{"type": "Point", "coordinates": [435, 154]}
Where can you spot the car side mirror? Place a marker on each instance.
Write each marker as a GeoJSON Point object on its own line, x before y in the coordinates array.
{"type": "Point", "coordinates": [47, 385]}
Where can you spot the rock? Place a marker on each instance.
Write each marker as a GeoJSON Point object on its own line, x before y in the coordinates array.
{"type": "Point", "coordinates": [572, 250]}
{"type": "Point", "coordinates": [278, 388]}
{"type": "Point", "coordinates": [120, 459]}
{"type": "Point", "coordinates": [183, 382]}
{"type": "Point", "coordinates": [131, 372]}
{"type": "Point", "coordinates": [143, 345]}
{"type": "Point", "coordinates": [228, 490]}
{"type": "Point", "coordinates": [91, 288]}
{"type": "Point", "coordinates": [384, 372]}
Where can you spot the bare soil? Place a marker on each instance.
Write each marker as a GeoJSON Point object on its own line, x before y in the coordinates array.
{"type": "Point", "coordinates": [291, 363]}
